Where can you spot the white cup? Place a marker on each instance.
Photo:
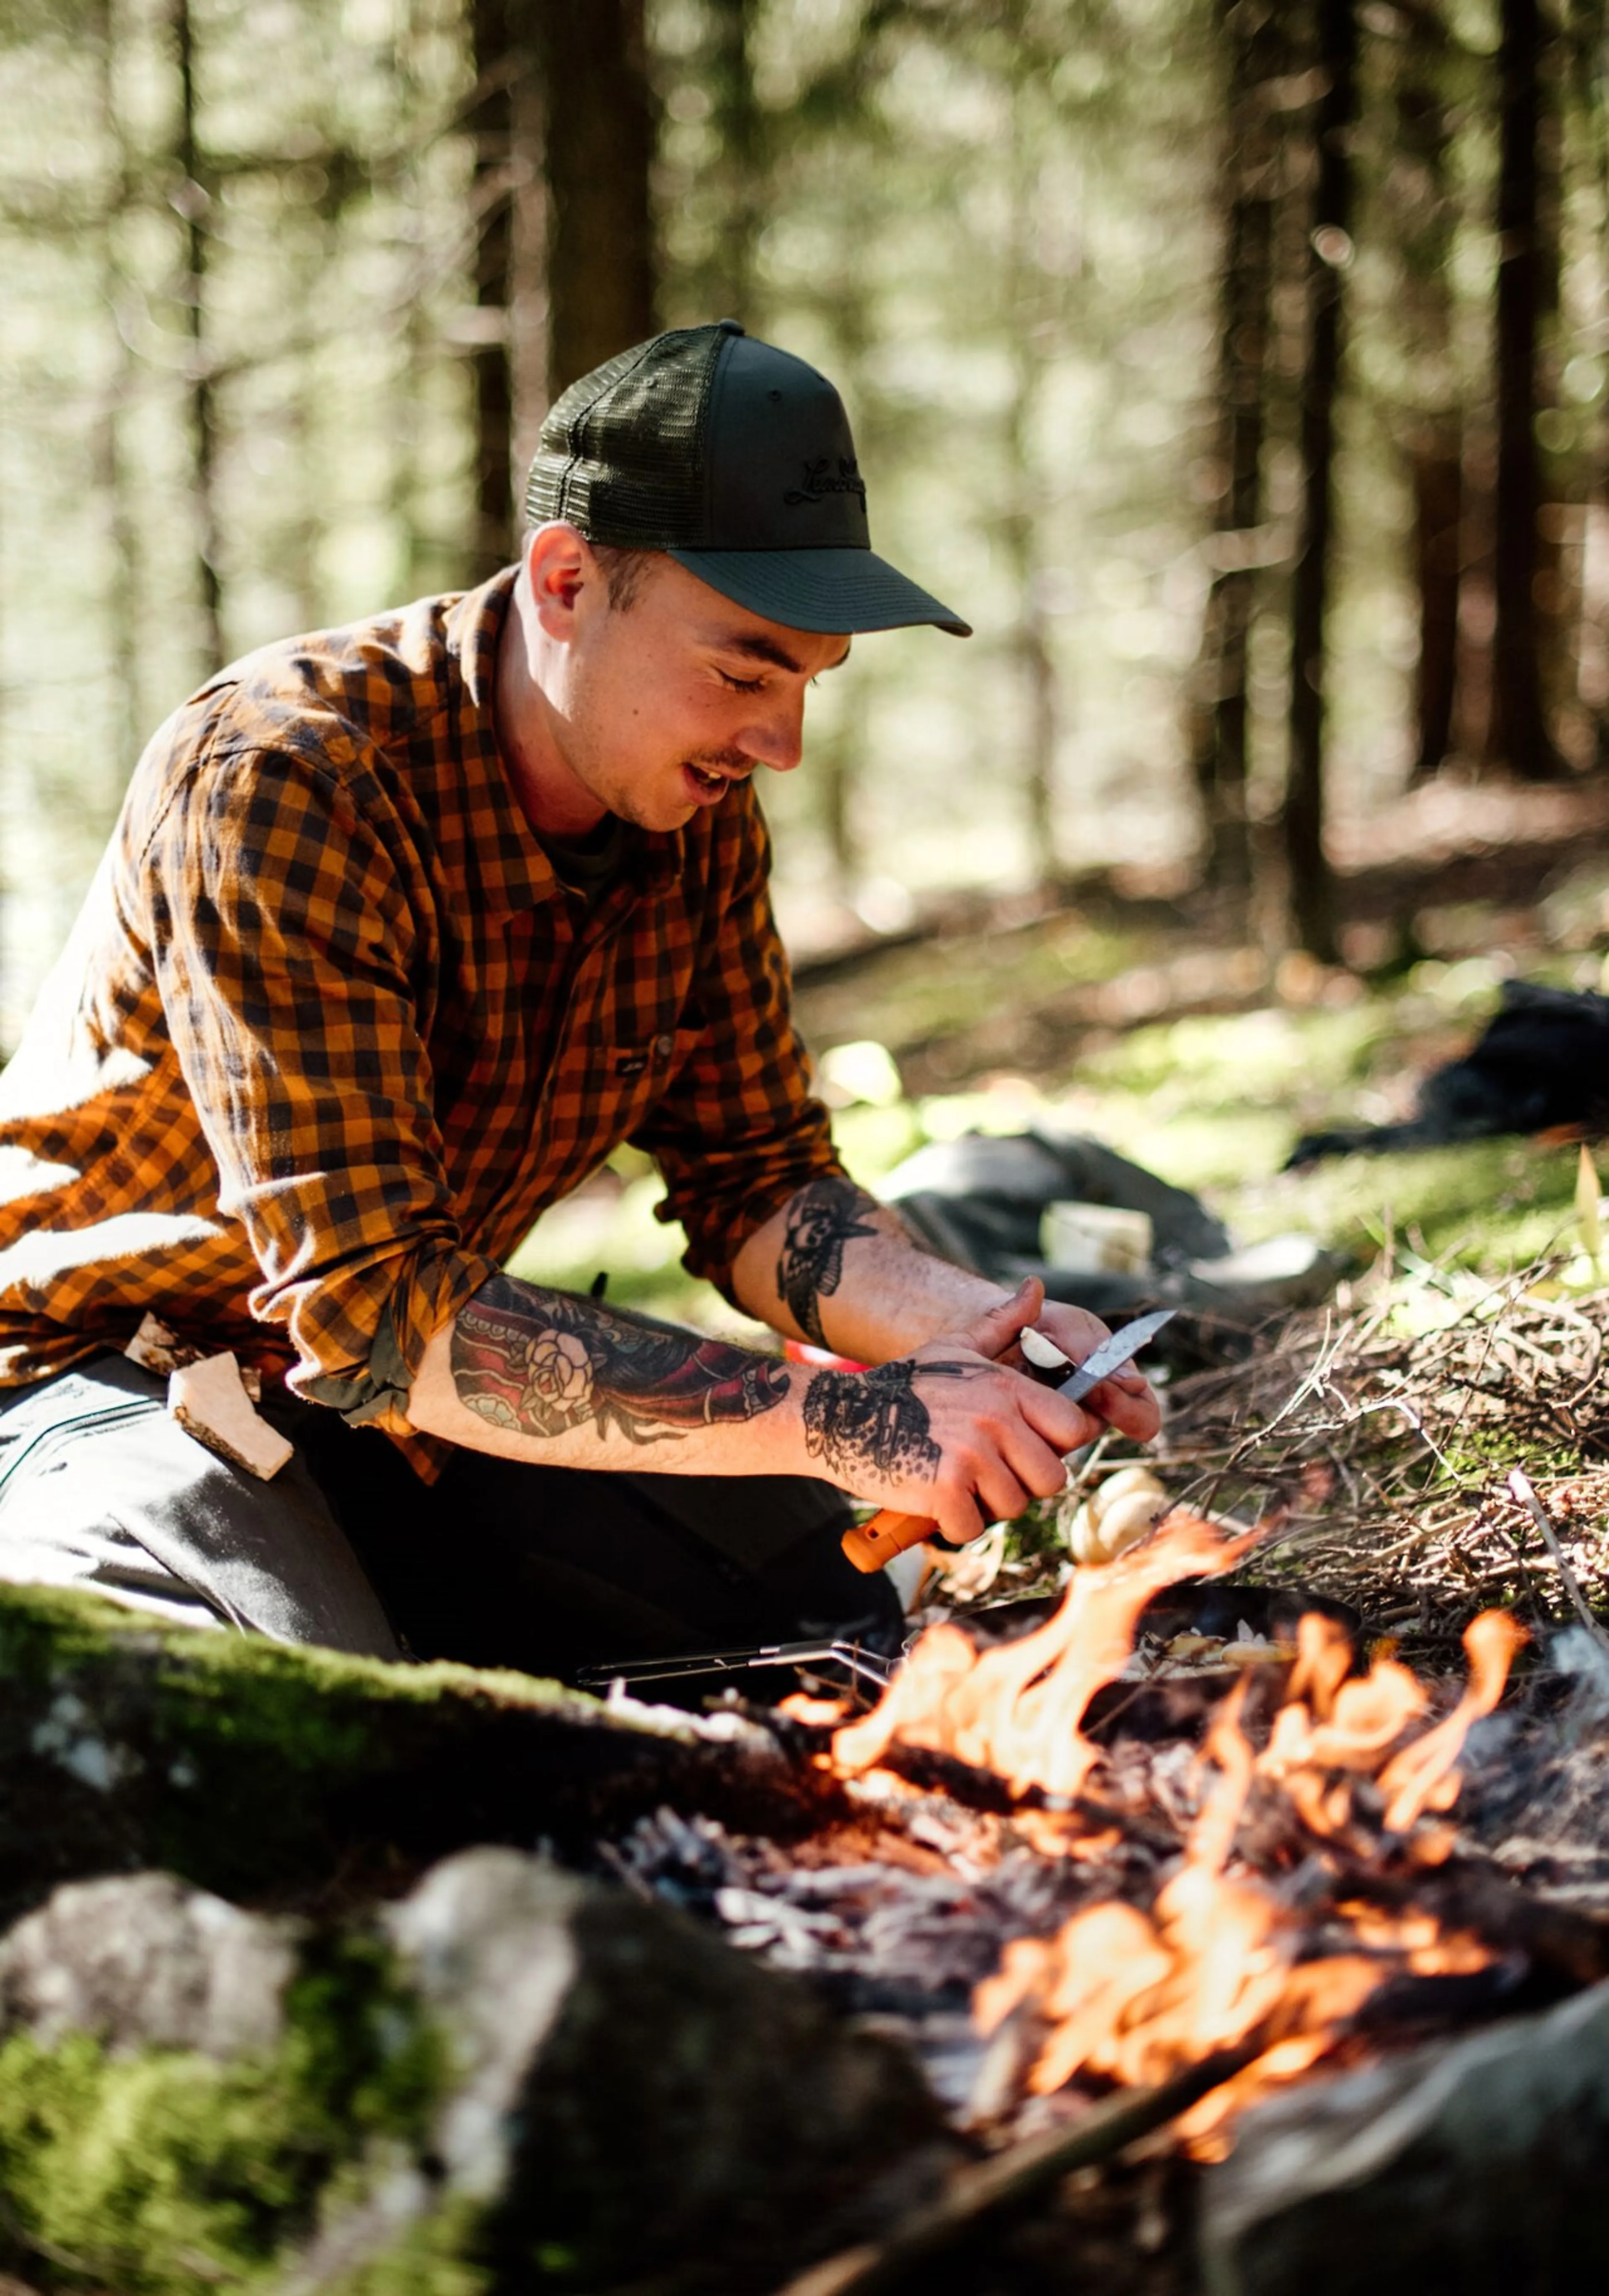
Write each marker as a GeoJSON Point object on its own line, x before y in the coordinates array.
{"type": "Point", "coordinates": [1092, 1239]}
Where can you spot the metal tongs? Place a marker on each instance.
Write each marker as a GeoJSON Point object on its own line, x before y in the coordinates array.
{"type": "Point", "coordinates": [866, 1665]}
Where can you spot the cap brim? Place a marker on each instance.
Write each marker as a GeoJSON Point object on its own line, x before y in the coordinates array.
{"type": "Point", "coordinates": [827, 590]}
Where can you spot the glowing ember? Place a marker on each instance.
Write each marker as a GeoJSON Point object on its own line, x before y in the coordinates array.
{"type": "Point", "coordinates": [1219, 1960]}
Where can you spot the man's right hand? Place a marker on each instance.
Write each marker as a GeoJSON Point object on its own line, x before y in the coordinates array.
{"type": "Point", "coordinates": [950, 1432]}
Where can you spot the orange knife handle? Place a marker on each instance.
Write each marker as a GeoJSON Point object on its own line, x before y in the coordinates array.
{"type": "Point", "coordinates": [870, 1544]}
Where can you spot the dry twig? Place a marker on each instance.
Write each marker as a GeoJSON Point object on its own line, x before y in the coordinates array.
{"type": "Point", "coordinates": [1384, 1453]}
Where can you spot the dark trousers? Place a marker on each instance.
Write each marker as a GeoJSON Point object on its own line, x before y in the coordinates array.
{"type": "Point", "coordinates": [544, 1569]}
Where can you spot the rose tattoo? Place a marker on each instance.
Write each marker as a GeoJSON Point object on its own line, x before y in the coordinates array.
{"type": "Point", "coordinates": [536, 1362]}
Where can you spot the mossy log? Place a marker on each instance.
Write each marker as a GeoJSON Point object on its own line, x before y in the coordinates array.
{"type": "Point", "coordinates": [272, 1774]}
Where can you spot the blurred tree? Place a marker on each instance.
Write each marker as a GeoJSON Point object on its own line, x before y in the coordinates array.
{"type": "Point", "coordinates": [1422, 211]}
{"type": "Point", "coordinates": [714, 91]}
{"type": "Point", "coordinates": [1518, 735]}
{"type": "Point", "coordinates": [1033, 333]}
{"type": "Point", "coordinates": [1253, 48]}
{"type": "Point", "coordinates": [1312, 882]}
{"type": "Point", "coordinates": [599, 131]}
{"type": "Point", "coordinates": [191, 197]}
{"type": "Point", "coordinates": [110, 475]}
{"type": "Point", "coordinates": [502, 54]}
{"type": "Point", "coordinates": [1588, 25]}
{"type": "Point", "coordinates": [418, 196]}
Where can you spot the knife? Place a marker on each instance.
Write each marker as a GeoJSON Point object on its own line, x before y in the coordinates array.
{"type": "Point", "coordinates": [870, 1544]}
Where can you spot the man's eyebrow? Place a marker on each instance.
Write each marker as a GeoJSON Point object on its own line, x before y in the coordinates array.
{"type": "Point", "coordinates": [758, 647]}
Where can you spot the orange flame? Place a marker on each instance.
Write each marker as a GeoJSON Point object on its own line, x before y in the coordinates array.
{"type": "Point", "coordinates": [1422, 1776]}
{"type": "Point", "coordinates": [1135, 1995]}
{"type": "Point", "coordinates": [1016, 1709]}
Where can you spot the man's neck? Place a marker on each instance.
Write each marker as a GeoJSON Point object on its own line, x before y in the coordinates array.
{"type": "Point", "coordinates": [549, 797]}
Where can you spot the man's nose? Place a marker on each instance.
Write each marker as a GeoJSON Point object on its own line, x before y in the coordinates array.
{"type": "Point", "coordinates": [776, 737]}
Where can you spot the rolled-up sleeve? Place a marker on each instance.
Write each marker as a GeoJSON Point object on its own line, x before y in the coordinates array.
{"type": "Point", "coordinates": [286, 952]}
{"type": "Point", "coordinates": [738, 1130]}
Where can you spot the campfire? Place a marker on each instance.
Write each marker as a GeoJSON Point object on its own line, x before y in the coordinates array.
{"type": "Point", "coordinates": [1338, 1782]}
{"type": "Point", "coordinates": [1129, 1846]}
{"type": "Point", "coordinates": [1114, 1910]}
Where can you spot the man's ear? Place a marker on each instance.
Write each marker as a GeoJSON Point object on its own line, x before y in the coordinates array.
{"type": "Point", "coordinates": [561, 570]}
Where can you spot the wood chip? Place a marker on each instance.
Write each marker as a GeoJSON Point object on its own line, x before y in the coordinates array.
{"type": "Point", "coordinates": [209, 1402]}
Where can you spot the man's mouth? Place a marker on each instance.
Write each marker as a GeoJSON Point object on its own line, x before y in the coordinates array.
{"type": "Point", "coordinates": [710, 781]}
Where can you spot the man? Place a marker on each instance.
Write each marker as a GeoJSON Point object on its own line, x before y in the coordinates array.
{"type": "Point", "coordinates": [402, 928]}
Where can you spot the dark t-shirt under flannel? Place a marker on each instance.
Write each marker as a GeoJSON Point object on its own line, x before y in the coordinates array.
{"type": "Point", "coordinates": [330, 1034]}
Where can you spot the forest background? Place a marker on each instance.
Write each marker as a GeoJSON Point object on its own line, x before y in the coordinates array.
{"type": "Point", "coordinates": [1237, 366]}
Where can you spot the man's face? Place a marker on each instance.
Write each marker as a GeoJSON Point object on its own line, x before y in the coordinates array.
{"type": "Point", "coordinates": [657, 708]}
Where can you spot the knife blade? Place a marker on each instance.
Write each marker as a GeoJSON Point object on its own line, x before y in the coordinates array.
{"type": "Point", "coordinates": [1112, 1354]}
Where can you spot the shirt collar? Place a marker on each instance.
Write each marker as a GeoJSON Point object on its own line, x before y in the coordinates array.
{"type": "Point", "coordinates": [512, 869]}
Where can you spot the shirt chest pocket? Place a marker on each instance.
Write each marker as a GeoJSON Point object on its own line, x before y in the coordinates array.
{"type": "Point", "coordinates": [640, 1073]}
{"type": "Point", "coordinates": [632, 1061]}
{"type": "Point", "coordinates": [609, 1084]}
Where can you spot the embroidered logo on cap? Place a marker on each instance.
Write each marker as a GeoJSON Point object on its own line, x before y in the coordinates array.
{"type": "Point", "coordinates": [819, 481]}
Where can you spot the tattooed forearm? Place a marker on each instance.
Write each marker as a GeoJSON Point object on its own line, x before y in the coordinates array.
{"type": "Point", "coordinates": [536, 1362]}
{"type": "Point", "coordinates": [823, 1217]}
{"type": "Point", "coordinates": [857, 1421]}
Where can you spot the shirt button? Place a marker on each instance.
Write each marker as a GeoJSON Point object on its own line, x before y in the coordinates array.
{"type": "Point", "coordinates": [663, 1045]}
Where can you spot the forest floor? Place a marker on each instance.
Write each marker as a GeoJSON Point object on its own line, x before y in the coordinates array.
{"type": "Point", "coordinates": [1152, 1022]}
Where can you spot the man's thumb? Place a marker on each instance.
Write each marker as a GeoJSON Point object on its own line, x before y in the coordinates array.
{"type": "Point", "coordinates": [996, 1327]}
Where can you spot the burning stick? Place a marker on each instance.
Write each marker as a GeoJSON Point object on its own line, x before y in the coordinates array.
{"type": "Point", "coordinates": [1014, 2176]}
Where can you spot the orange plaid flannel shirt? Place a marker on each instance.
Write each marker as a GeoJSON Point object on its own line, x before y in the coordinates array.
{"type": "Point", "coordinates": [328, 1034]}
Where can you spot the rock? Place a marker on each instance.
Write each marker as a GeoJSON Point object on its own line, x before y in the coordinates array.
{"type": "Point", "coordinates": [251, 1770]}
{"type": "Point", "coordinates": [185, 2089]}
{"type": "Point", "coordinates": [141, 1961]}
{"type": "Point", "coordinates": [1475, 2165]}
{"type": "Point", "coordinates": [516, 2076]}
{"type": "Point", "coordinates": [639, 2096]}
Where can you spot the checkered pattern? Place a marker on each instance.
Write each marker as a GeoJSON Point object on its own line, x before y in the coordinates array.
{"type": "Point", "coordinates": [329, 1035]}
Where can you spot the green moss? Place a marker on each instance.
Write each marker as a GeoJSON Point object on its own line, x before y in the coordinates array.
{"type": "Point", "coordinates": [163, 2173]}
{"type": "Point", "coordinates": [1217, 1060]}
{"type": "Point", "coordinates": [1483, 1452]}
{"type": "Point", "coordinates": [1492, 1204]}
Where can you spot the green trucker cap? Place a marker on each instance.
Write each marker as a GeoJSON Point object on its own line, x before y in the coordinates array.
{"type": "Point", "coordinates": [736, 459]}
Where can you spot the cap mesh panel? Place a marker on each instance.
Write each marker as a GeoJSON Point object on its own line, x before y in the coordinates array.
{"type": "Point", "coordinates": [621, 456]}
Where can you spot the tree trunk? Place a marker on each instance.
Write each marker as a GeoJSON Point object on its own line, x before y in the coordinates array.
{"type": "Point", "coordinates": [1435, 468]}
{"type": "Point", "coordinates": [192, 201]}
{"type": "Point", "coordinates": [1518, 735]}
{"type": "Point", "coordinates": [599, 134]}
{"type": "Point", "coordinates": [491, 124]}
{"type": "Point", "coordinates": [1028, 306]}
{"type": "Point", "coordinates": [1588, 21]}
{"type": "Point", "coordinates": [1424, 217]}
{"type": "Point", "coordinates": [838, 760]}
{"type": "Point", "coordinates": [1312, 897]}
{"type": "Point", "coordinates": [1218, 725]}
{"type": "Point", "coordinates": [111, 474]}
{"type": "Point", "coordinates": [528, 286]}
{"type": "Point", "coordinates": [724, 286]}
